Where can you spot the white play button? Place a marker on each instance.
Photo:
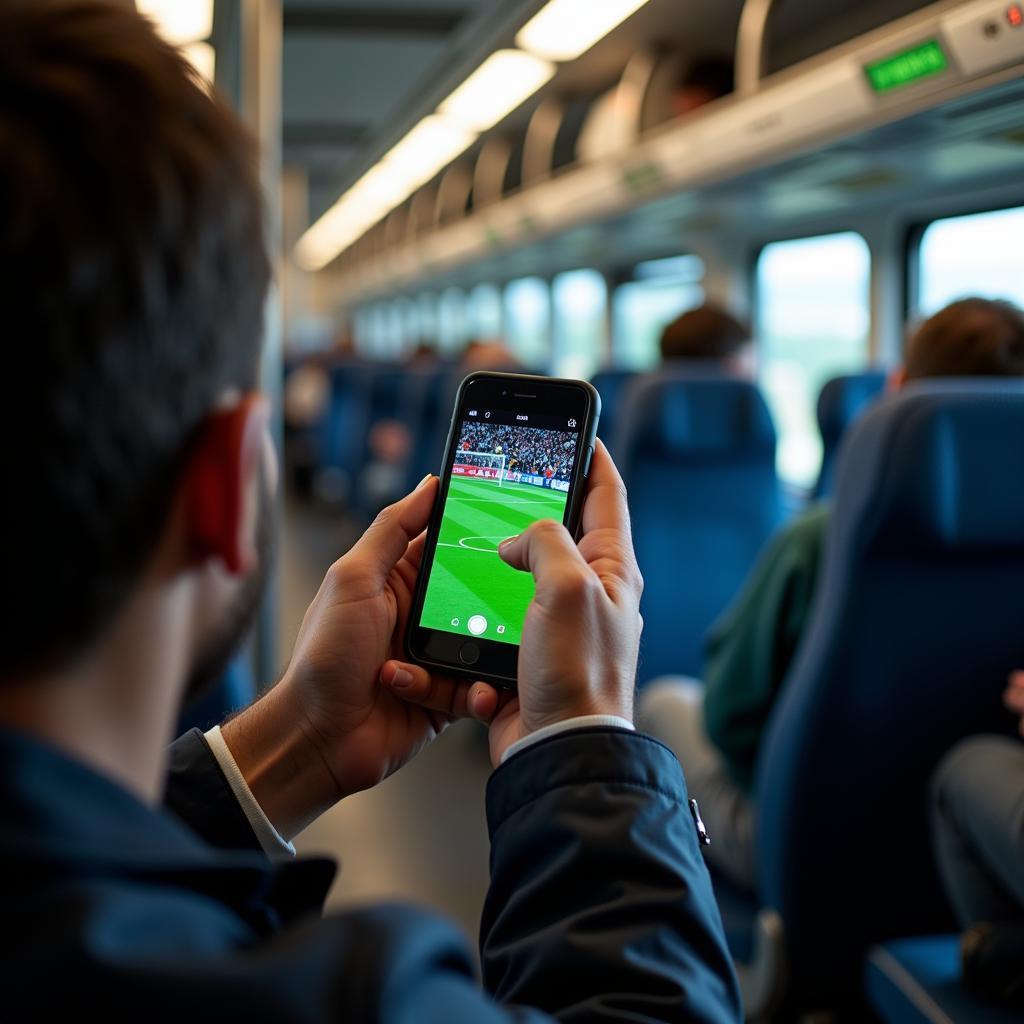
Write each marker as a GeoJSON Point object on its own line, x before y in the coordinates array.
{"type": "Point", "coordinates": [477, 625]}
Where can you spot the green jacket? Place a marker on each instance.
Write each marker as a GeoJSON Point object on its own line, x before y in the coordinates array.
{"type": "Point", "coordinates": [750, 648]}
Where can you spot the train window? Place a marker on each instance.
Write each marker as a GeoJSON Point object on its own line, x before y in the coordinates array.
{"type": "Point", "coordinates": [426, 316]}
{"type": "Point", "coordinates": [978, 254]}
{"type": "Point", "coordinates": [528, 320]}
{"type": "Point", "coordinates": [452, 323]}
{"type": "Point", "coordinates": [394, 331]}
{"type": "Point", "coordinates": [813, 320]}
{"type": "Point", "coordinates": [644, 307]}
{"type": "Point", "coordinates": [410, 336]}
{"type": "Point", "coordinates": [484, 312]}
{"type": "Point", "coordinates": [362, 331]}
{"type": "Point", "coordinates": [580, 301]}
{"type": "Point", "coordinates": [372, 336]}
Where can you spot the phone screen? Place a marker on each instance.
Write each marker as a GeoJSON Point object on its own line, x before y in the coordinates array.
{"type": "Point", "coordinates": [509, 471]}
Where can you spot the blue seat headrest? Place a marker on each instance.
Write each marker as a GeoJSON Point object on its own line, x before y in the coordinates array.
{"type": "Point", "coordinates": [944, 463]}
{"type": "Point", "coordinates": [698, 415]}
{"type": "Point", "coordinates": [842, 399]}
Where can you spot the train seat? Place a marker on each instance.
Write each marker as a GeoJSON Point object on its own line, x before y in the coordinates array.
{"type": "Point", "coordinates": [612, 386]}
{"type": "Point", "coordinates": [841, 402]}
{"type": "Point", "coordinates": [425, 414]}
{"type": "Point", "coordinates": [379, 482]}
{"type": "Point", "coordinates": [917, 981]}
{"type": "Point", "coordinates": [697, 452]}
{"type": "Point", "coordinates": [343, 432]}
{"type": "Point", "coordinates": [915, 627]}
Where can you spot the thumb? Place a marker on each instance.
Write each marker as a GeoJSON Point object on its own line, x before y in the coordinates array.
{"type": "Point", "coordinates": [546, 550]}
{"type": "Point", "coordinates": [395, 528]}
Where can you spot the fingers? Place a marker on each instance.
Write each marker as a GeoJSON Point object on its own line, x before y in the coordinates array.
{"type": "Point", "coordinates": [606, 507]}
{"type": "Point", "coordinates": [1014, 696]}
{"type": "Point", "coordinates": [416, 685]}
{"type": "Point", "coordinates": [391, 533]}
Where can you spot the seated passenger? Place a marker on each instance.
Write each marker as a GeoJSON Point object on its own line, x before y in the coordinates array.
{"type": "Point", "coordinates": [715, 728]}
{"type": "Point", "coordinates": [712, 336]}
{"type": "Point", "coordinates": [140, 882]}
{"type": "Point", "coordinates": [978, 828]}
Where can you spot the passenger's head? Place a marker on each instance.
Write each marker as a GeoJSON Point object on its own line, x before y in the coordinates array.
{"type": "Point", "coordinates": [971, 338]}
{"type": "Point", "coordinates": [487, 354]}
{"type": "Point", "coordinates": [132, 281]}
{"type": "Point", "coordinates": [707, 333]}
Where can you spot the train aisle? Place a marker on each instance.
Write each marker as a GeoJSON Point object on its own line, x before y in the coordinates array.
{"type": "Point", "coordinates": [421, 837]}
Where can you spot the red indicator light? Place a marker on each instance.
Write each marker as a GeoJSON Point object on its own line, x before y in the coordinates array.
{"type": "Point", "coordinates": [1015, 15]}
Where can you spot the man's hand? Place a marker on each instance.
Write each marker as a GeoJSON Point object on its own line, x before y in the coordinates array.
{"type": "Point", "coordinates": [329, 729]}
{"type": "Point", "coordinates": [581, 637]}
{"type": "Point", "coordinates": [1014, 697]}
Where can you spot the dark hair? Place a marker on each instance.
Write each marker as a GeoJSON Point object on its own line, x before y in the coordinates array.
{"type": "Point", "coordinates": [713, 74]}
{"type": "Point", "coordinates": [133, 275]}
{"type": "Point", "coordinates": [971, 338]}
{"type": "Point", "coordinates": [708, 332]}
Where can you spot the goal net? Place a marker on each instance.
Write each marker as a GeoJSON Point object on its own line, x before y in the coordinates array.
{"type": "Point", "coordinates": [482, 465]}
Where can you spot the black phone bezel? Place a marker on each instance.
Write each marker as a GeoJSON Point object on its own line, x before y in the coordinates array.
{"type": "Point", "coordinates": [498, 661]}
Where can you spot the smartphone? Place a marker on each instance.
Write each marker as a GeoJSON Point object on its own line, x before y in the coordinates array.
{"type": "Point", "coordinates": [518, 451]}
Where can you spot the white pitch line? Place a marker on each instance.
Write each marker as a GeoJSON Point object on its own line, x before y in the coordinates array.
{"type": "Point", "coordinates": [493, 501]}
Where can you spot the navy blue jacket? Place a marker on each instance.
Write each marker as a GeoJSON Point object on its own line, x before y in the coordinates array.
{"type": "Point", "coordinates": [599, 908]}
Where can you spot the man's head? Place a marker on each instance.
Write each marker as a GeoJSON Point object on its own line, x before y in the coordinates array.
{"type": "Point", "coordinates": [133, 275]}
{"type": "Point", "coordinates": [706, 333]}
{"type": "Point", "coordinates": [971, 338]}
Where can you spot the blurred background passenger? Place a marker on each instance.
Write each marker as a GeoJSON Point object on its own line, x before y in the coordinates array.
{"type": "Point", "coordinates": [488, 354]}
{"type": "Point", "coordinates": [390, 445]}
{"type": "Point", "coordinates": [715, 726]}
{"type": "Point", "coordinates": [391, 440]}
{"type": "Point", "coordinates": [978, 829]}
{"type": "Point", "coordinates": [706, 79]}
{"type": "Point", "coordinates": [712, 335]}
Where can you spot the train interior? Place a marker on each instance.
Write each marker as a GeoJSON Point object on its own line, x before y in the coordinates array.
{"type": "Point", "coordinates": [458, 186]}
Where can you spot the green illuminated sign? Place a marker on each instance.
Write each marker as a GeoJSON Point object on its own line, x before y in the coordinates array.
{"type": "Point", "coordinates": [907, 67]}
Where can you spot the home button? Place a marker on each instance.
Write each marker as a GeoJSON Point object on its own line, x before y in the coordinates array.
{"type": "Point", "coordinates": [469, 654]}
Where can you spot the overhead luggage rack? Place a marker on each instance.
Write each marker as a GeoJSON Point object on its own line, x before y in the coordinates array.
{"type": "Point", "coordinates": [913, 66]}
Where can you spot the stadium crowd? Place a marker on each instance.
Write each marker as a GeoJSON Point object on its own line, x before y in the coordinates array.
{"type": "Point", "coordinates": [527, 449]}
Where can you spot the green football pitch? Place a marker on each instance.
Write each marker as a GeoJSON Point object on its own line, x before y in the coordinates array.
{"type": "Point", "coordinates": [468, 579]}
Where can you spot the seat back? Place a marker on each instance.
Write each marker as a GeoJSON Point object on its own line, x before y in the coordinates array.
{"type": "Point", "coordinates": [611, 386]}
{"type": "Point", "coordinates": [426, 415]}
{"type": "Point", "coordinates": [344, 428]}
{"type": "Point", "coordinates": [916, 624]}
{"type": "Point", "coordinates": [841, 402]}
{"type": "Point", "coordinates": [697, 452]}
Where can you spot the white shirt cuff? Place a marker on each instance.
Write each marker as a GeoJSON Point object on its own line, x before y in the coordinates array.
{"type": "Point", "coordinates": [274, 845]}
{"type": "Point", "coordinates": [569, 725]}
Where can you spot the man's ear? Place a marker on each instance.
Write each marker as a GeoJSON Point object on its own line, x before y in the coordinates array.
{"type": "Point", "coordinates": [223, 481]}
{"type": "Point", "coordinates": [897, 380]}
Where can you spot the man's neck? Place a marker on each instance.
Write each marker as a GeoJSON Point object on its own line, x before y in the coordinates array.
{"type": "Point", "coordinates": [114, 709]}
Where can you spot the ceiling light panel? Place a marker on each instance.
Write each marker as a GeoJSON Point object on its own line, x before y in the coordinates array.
{"type": "Point", "coordinates": [430, 147]}
{"type": "Point", "coordinates": [564, 29]}
{"type": "Point", "coordinates": [433, 144]}
{"type": "Point", "coordinates": [503, 82]}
